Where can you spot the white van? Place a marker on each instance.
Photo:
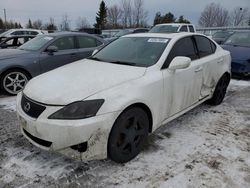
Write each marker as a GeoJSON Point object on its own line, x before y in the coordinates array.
{"type": "Point", "coordinates": [173, 28]}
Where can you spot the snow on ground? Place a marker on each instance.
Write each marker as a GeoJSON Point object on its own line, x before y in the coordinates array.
{"type": "Point", "coordinates": [206, 147]}
{"type": "Point", "coordinates": [8, 103]}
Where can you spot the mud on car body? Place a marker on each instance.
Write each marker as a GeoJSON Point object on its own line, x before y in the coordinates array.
{"type": "Point", "coordinates": [106, 105]}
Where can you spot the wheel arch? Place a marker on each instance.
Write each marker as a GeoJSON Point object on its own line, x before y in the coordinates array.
{"type": "Point", "coordinates": [16, 68]}
{"type": "Point", "coordinates": [146, 109]}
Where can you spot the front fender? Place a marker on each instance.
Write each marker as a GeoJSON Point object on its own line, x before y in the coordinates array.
{"type": "Point", "coordinates": [147, 90]}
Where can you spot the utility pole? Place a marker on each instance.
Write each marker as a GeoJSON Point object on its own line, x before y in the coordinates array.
{"type": "Point", "coordinates": [4, 10]}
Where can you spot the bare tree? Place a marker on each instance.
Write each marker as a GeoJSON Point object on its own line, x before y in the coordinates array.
{"type": "Point", "coordinates": [65, 24]}
{"type": "Point", "coordinates": [37, 24]}
{"type": "Point", "coordinates": [140, 15]}
{"type": "Point", "coordinates": [222, 18]}
{"type": "Point", "coordinates": [214, 16]}
{"type": "Point", "coordinates": [239, 16]}
{"type": "Point", "coordinates": [126, 7]}
{"type": "Point", "coordinates": [114, 16]}
{"type": "Point", "coordinates": [82, 22]}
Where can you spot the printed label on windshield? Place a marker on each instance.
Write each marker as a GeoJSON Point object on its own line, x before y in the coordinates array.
{"type": "Point", "coordinates": [48, 38]}
{"type": "Point", "coordinates": [159, 40]}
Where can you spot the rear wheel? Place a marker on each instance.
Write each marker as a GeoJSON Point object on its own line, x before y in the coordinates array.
{"type": "Point", "coordinates": [13, 81]}
{"type": "Point", "coordinates": [220, 90]}
{"type": "Point", "coordinates": [128, 135]}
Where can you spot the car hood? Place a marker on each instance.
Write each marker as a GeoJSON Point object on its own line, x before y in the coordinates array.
{"type": "Point", "coordinates": [238, 52]}
{"type": "Point", "coordinates": [79, 80]}
{"type": "Point", "coordinates": [11, 53]}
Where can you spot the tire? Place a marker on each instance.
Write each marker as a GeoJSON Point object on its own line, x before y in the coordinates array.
{"type": "Point", "coordinates": [128, 135]}
{"type": "Point", "coordinates": [220, 91]}
{"type": "Point", "coordinates": [13, 81]}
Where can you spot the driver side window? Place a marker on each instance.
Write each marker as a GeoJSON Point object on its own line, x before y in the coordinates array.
{"type": "Point", "coordinates": [183, 47]}
{"type": "Point", "coordinates": [64, 43]}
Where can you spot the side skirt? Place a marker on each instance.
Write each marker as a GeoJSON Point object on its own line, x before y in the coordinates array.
{"type": "Point", "coordinates": [185, 110]}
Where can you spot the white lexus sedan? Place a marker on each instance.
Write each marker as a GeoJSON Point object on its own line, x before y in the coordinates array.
{"type": "Point", "coordinates": [106, 105]}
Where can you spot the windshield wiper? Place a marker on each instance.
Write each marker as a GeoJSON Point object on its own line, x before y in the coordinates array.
{"type": "Point", "coordinates": [123, 63]}
{"type": "Point", "coordinates": [94, 58]}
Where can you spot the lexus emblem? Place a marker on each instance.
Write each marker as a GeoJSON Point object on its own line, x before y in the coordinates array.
{"type": "Point", "coordinates": [27, 107]}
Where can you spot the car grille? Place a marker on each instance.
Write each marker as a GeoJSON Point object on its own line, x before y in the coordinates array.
{"type": "Point", "coordinates": [37, 140]}
{"type": "Point", "coordinates": [31, 108]}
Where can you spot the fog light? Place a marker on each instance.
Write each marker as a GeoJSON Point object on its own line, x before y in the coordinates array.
{"type": "Point", "coordinates": [80, 147]}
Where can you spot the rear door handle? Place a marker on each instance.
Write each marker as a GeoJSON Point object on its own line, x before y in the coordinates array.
{"type": "Point", "coordinates": [198, 69]}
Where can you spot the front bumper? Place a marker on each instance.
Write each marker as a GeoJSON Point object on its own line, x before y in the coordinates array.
{"type": "Point", "coordinates": [60, 135]}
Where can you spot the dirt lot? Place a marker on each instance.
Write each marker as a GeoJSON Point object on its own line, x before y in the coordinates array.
{"type": "Point", "coordinates": [206, 147]}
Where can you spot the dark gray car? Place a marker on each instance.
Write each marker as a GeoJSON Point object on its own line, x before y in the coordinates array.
{"type": "Point", "coordinates": [42, 54]}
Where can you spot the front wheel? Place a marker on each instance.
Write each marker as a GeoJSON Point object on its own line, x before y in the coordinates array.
{"type": "Point", "coordinates": [220, 91]}
{"type": "Point", "coordinates": [13, 81]}
{"type": "Point", "coordinates": [128, 135]}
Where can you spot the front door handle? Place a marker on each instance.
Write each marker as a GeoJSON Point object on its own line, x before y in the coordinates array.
{"type": "Point", "coordinates": [198, 69]}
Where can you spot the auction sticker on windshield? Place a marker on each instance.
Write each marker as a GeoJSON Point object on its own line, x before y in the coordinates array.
{"type": "Point", "coordinates": [159, 40]}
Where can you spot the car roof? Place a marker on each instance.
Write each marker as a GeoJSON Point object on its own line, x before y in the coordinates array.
{"type": "Point", "coordinates": [17, 36]}
{"type": "Point", "coordinates": [176, 24]}
{"type": "Point", "coordinates": [56, 34]}
{"type": "Point", "coordinates": [68, 33]}
{"type": "Point", "coordinates": [163, 35]}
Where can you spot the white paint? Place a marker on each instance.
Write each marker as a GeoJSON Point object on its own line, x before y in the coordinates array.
{"type": "Point", "coordinates": [167, 93]}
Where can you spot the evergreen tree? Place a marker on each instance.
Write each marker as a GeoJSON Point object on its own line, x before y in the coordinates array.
{"type": "Point", "coordinates": [1, 24]}
{"type": "Point", "coordinates": [169, 18]}
{"type": "Point", "coordinates": [29, 25]}
{"type": "Point", "coordinates": [182, 20]}
{"type": "Point", "coordinates": [101, 18]}
{"type": "Point", "coordinates": [158, 18]}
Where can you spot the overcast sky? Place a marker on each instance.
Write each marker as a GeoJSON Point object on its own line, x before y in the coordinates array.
{"type": "Point", "coordinates": [22, 10]}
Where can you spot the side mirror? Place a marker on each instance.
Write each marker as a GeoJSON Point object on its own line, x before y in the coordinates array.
{"type": "Point", "coordinates": [179, 62]}
{"type": "Point", "coordinates": [52, 49]}
{"type": "Point", "coordinates": [94, 52]}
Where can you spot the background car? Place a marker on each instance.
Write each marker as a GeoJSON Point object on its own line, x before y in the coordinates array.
{"type": "Point", "coordinates": [126, 32]}
{"type": "Point", "coordinates": [42, 54]}
{"type": "Point", "coordinates": [106, 105]}
{"type": "Point", "coordinates": [15, 41]}
{"type": "Point", "coordinates": [221, 36]}
{"type": "Point", "coordinates": [238, 45]}
{"type": "Point", "coordinates": [19, 32]}
{"type": "Point", "coordinates": [173, 28]}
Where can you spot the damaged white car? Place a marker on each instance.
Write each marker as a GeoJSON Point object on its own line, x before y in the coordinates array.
{"type": "Point", "coordinates": [106, 106]}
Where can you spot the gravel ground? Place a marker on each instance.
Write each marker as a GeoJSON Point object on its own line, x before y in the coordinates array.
{"type": "Point", "coordinates": [206, 147]}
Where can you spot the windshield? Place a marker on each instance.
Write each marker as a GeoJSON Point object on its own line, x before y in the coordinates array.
{"type": "Point", "coordinates": [136, 51]}
{"type": "Point", "coordinates": [164, 29]}
{"type": "Point", "coordinates": [122, 33]}
{"type": "Point", "coordinates": [36, 43]}
{"type": "Point", "coordinates": [239, 39]}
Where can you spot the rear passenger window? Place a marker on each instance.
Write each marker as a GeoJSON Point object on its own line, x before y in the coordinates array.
{"type": "Point", "coordinates": [18, 33]}
{"type": "Point", "coordinates": [191, 28]}
{"type": "Point", "coordinates": [64, 43]}
{"type": "Point", "coordinates": [184, 28]}
{"type": "Point", "coordinates": [33, 33]}
{"type": "Point", "coordinates": [86, 42]}
{"type": "Point", "coordinates": [183, 47]}
{"type": "Point", "coordinates": [204, 46]}
{"type": "Point", "coordinates": [213, 46]}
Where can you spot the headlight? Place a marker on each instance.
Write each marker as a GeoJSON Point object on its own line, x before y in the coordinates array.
{"type": "Point", "coordinates": [78, 110]}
